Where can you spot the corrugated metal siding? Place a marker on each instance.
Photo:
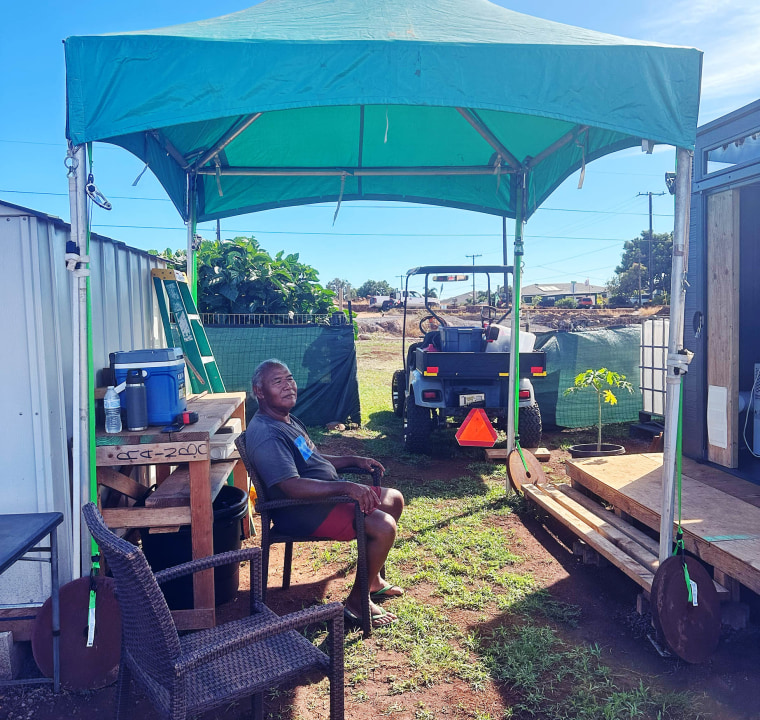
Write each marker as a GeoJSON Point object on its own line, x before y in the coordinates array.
{"type": "Point", "coordinates": [36, 327]}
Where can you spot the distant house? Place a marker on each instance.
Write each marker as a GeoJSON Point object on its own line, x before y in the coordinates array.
{"type": "Point", "coordinates": [557, 291]}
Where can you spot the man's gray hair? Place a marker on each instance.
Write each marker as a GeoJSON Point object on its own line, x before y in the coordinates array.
{"type": "Point", "coordinates": [263, 368]}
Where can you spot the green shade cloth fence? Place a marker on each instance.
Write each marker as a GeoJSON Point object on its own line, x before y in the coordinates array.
{"type": "Point", "coordinates": [322, 360]}
{"type": "Point", "coordinates": [568, 354]}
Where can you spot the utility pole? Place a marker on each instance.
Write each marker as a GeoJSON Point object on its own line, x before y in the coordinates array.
{"type": "Point", "coordinates": [218, 230]}
{"type": "Point", "coordinates": [473, 275]}
{"type": "Point", "coordinates": [401, 281]}
{"type": "Point", "coordinates": [651, 289]}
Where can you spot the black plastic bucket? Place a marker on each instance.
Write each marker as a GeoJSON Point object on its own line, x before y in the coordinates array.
{"type": "Point", "coordinates": [165, 550]}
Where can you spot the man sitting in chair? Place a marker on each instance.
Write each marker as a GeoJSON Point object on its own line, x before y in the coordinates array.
{"type": "Point", "coordinates": [290, 466]}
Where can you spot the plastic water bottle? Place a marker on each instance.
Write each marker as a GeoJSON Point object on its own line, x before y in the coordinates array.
{"type": "Point", "coordinates": [112, 406]}
{"type": "Point", "coordinates": [136, 400]}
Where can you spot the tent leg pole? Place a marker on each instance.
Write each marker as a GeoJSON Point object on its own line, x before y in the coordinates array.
{"type": "Point", "coordinates": [191, 184]}
{"type": "Point", "coordinates": [81, 389]}
{"type": "Point", "coordinates": [677, 358]}
{"type": "Point", "coordinates": [514, 354]}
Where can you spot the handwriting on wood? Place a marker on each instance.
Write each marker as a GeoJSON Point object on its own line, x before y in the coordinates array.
{"type": "Point", "coordinates": [175, 452]}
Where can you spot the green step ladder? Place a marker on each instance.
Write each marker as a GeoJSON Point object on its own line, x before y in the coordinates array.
{"type": "Point", "coordinates": [201, 364]}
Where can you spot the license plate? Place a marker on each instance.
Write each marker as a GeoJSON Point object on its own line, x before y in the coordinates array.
{"type": "Point", "coordinates": [471, 399]}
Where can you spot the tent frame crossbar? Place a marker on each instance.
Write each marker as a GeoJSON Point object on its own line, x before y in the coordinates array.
{"type": "Point", "coordinates": [236, 130]}
{"type": "Point", "coordinates": [484, 131]}
{"type": "Point", "coordinates": [358, 171]}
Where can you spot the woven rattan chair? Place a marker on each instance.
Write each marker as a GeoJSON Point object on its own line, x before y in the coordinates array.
{"type": "Point", "coordinates": [187, 675]}
{"type": "Point", "coordinates": [269, 536]}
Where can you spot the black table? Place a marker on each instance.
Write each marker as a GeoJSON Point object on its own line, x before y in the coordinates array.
{"type": "Point", "coordinates": [19, 534]}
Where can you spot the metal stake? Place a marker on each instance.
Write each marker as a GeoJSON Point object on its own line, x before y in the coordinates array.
{"type": "Point", "coordinates": [677, 358]}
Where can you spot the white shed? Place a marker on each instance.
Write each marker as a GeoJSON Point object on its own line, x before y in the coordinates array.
{"type": "Point", "coordinates": [36, 408]}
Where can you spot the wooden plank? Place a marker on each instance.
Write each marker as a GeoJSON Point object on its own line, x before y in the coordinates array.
{"type": "Point", "coordinates": [202, 535]}
{"type": "Point", "coordinates": [175, 490]}
{"type": "Point", "coordinates": [634, 533]}
{"type": "Point", "coordinates": [718, 528]}
{"type": "Point", "coordinates": [153, 453]}
{"type": "Point", "coordinates": [121, 483]}
{"type": "Point", "coordinates": [20, 621]}
{"type": "Point", "coordinates": [722, 236]}
{"type": "Point", "coordinates": [634, 570]}
{"type": "Point", "coordinates": [500, 454]}
{"type": "Point", "coordinates": [146, 517]}
{"type": "Point", "coordinates": [601, 525]}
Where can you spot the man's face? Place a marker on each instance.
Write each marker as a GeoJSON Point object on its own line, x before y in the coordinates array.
{"type": "Point", "coordinates": [278, 390]}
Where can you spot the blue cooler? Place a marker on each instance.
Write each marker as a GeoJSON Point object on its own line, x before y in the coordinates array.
{"type": "Point", "coordinates": [164, 380]}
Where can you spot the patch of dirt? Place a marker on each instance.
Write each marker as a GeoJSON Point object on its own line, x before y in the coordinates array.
{"type": "Point", "coordinates": [606, 598]}
{"type": "Point", "coordinates": [536, 320]}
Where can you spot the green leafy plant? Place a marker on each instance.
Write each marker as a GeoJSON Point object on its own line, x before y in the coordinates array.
{"type": "Point", "coordinates": [601, 381]}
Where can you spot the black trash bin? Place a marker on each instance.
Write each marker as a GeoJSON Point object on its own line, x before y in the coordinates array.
{"type": "Point", "coordinates": [164, 550]}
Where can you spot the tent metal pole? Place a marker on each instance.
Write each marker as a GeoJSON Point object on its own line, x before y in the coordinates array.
{"type": "Point", "coordinates": [81, 389]}
{"type": "Point", "coordinates": [484, 131]}
{"type": "Point", "coordinates": [227, 139]}
{"type": "Point", "coordinates": [514, 349]}
{"type": "Point", "coordinates": [432, 171]}
{"type": "Point", "coordinates": [191, 189]}
{"type": "Point", "coordinates": [678, 357]}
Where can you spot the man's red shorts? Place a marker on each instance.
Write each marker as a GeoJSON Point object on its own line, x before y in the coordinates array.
{"type": "Point", "coordinates": [339, 524]}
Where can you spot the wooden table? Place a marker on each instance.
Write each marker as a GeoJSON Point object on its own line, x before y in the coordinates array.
{"type": "Point", "coordinates": [191, 446]}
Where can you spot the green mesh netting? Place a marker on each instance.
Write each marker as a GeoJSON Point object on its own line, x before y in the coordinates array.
{"type": "Point", "coordinates": [322, 360]}
{"type": "Point", "coordinates": [570, 353]}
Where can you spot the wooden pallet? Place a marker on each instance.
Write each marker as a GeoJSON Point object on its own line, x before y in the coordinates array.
{"type": "Point", "coordinates": [626, 547]}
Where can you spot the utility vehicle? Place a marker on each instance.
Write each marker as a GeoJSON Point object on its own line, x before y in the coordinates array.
{"type": "Point", "coordinates": [453, 368]}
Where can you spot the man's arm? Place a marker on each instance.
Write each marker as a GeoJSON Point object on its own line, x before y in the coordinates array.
{"type": "Point", "coordinates": [309, 489]}
{"type": "Point", "coordinates": [343, 461]}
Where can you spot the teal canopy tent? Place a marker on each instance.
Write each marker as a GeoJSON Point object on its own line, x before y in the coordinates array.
{"type": "Point", "coordinates": [433, 101]}
{"type": "Point", "coordinates": [460, 103]}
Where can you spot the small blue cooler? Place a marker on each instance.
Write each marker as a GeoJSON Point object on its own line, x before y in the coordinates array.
{"type": "Point", "coordinates": [164, 382]}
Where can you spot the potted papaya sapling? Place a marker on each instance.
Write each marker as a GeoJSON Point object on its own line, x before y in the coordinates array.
{"type": "Point", "coordinates": [602, 382]}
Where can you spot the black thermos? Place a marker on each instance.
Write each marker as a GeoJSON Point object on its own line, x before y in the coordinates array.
{"type": "Point", "coordinates": [136, 400]}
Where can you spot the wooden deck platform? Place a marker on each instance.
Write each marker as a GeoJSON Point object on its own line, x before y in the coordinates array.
{"type": "Point", "coordinates": [720, 513]}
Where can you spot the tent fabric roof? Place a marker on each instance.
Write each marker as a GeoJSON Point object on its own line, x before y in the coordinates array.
{"type": "Point", "coordinates": [349, 91]}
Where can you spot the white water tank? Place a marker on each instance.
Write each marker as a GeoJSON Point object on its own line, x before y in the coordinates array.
{"type": "Point", "coordinates": [503, 343]}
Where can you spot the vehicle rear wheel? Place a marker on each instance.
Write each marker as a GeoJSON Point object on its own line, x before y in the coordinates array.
{"type": "Point", "coordinates": [397, 392]}
{"type": "Point", "coordinates": [417, 426]}
{"type": "Point", "coordinates": [529, 426]}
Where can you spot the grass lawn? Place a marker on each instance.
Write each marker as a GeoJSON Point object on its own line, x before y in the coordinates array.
{"type": "Point", "coordinates": [479, 634]}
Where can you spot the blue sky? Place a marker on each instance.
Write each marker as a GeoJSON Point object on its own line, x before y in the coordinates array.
{"type": "Point", "coordinates": [577, 235]}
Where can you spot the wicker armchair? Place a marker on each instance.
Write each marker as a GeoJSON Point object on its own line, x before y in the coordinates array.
{"type": "Point", "coordinates": [187, 675]}
{"type": "Point", "coordinates": [269, 536]}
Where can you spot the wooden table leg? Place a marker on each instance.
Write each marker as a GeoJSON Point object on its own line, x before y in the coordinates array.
{"type": "Point", "coordinates": [201, 527]}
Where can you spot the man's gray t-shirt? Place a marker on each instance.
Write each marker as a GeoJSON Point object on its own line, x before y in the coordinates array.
{"type": "Point", "coordinates": [279, 451]}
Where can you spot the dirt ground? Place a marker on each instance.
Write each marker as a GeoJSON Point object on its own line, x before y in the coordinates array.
{"type": "Point", "coordinates": [728, 682]}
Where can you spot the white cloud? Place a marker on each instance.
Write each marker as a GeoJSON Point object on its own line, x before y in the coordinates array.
{"type": "Point", "coordinates": [728, 33]}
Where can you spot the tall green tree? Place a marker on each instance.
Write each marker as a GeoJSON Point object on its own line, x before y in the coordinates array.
{"type": "Point", "coordinates": [337, 283]}
{"type": "Point", "coordinates": [636, 257]}
{"type": "Point", "coordinates": [374, 287]}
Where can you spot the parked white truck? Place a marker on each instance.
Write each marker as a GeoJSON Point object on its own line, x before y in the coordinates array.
{"type": "Point", "coordinates": [396, 300]}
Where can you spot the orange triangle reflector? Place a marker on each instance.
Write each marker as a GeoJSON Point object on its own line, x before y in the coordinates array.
{"type": "Point", "coordinates": [476, 430]}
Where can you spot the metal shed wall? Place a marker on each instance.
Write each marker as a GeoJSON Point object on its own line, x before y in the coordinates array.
{"type": "Point", "coordinates": [36, 327]}
{"type": "Point", "coordinates": [722, 131]}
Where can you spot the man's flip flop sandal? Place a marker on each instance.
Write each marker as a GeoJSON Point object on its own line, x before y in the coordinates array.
{"type": "Point", "coordinates": [378, 621]}
{"type": "Point", "coordinates": [387, 592]}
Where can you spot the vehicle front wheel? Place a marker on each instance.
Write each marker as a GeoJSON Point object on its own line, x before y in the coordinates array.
{"type": "Point", "coordinates": [417, 426]}
{"type": "Point", "coordinates": [398, 390]}
{"type": "Point", "coordinates": [529, 426]}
